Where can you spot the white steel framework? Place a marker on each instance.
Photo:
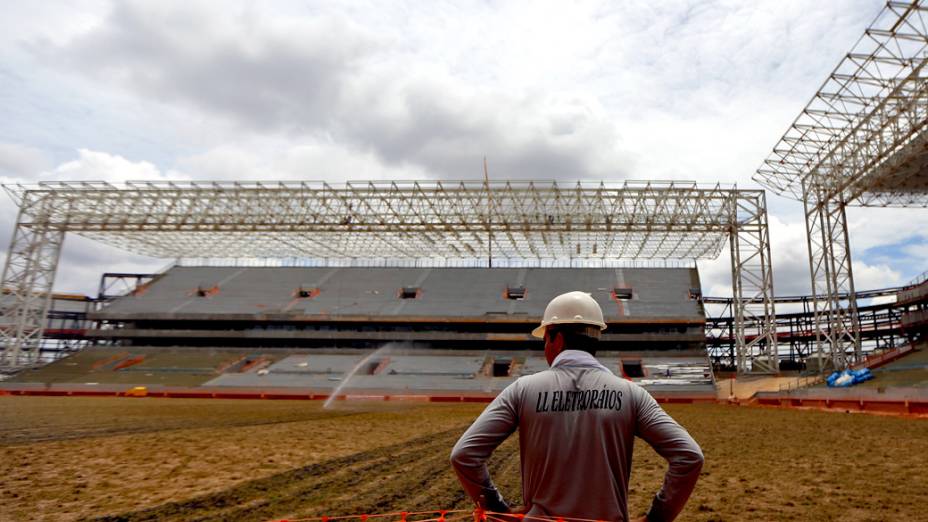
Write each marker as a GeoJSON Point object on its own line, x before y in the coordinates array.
{"type": "Point", "coordinates": [861, 140]}
{"type": "Point", "coordinates": [389, 220]}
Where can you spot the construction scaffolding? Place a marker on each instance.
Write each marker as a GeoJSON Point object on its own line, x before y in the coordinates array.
{"type": "Point", "coordinates": [883, 326]}
{"type": "Point", "coordinates": [861, 140]}
{"type": "Point", "coordinates": [525, 222]}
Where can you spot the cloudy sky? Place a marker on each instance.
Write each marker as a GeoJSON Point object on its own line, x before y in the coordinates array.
{"type": "Point", "coordinates": [698, 90]}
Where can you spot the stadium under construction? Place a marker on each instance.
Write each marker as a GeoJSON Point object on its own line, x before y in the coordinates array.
{"type": "Point", "coordinates": [427, 310]}
{"type": "Point", "coordinates": [435, 286]}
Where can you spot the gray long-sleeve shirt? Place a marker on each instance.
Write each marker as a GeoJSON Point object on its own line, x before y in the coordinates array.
{"type": "Point", "coordinates": [577, 423]}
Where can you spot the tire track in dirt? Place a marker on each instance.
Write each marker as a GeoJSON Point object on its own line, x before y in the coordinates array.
{"type": "Point", "coordinates": [444, 490]}
{"type": "Point", "coordinates": [378, 480]}
{"type": "Point", "coordinates": [427, 483]}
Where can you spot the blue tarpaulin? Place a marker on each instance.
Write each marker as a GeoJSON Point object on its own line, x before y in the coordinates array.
{"type": "Point", "coordinates": [848, 378]}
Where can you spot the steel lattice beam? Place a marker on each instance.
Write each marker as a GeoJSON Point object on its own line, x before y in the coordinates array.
{"type": "Point", "coordinates": [393, 220]}
{"type": "Point", "coordinates": [861, 140]}
{"type": "Point", "coordinates": [517, 221]}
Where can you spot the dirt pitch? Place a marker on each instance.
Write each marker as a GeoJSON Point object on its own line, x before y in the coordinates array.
{"type": "Point", "coordinates": [175, 459]}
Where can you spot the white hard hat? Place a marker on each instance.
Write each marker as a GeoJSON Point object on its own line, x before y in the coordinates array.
{"type": "Point", "coordinates": [572, 307]}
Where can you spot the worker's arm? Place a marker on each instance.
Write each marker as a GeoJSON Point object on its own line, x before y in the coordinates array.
{"type": "Point", "coordinates": [470, 454]}
{"type": "Point", "coordinates": [673, 443]}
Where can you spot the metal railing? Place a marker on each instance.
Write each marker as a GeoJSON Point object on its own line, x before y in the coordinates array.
{"type": "Point", "coordinates": [919, 279]}
{"type": "Point", "coordinates": [801, 382]}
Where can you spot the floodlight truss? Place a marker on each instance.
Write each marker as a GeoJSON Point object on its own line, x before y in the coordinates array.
{"type": "Point", "coordinates": [862, 140]}
{"type": "Point", "coordinates": [528, 221]}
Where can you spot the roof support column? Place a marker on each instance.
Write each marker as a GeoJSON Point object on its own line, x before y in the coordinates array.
{"type": "Point", "coordinates": [28, 276]}
{"type": "Point", "coordinates": [837, 332]}
{"type": "Point", "coordinates": [752, 285]}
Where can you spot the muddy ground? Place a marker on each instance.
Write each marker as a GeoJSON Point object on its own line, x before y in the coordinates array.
{"type": "Point", "coordinates": [177, 459]}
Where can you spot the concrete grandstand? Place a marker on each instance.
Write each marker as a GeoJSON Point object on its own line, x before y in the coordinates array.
{"type": "Point", "coordinates": [448, 307]}
{"type": "Point", "coordinates": [395, 330]}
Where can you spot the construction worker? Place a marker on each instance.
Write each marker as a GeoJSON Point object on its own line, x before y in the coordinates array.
{"type": "Point", "coordinates": [577, 422]}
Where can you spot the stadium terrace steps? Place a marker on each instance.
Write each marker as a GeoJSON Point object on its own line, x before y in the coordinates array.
{"type": "Point", "coordinates": [375, 292]}
{"type": "Point", "coordinates": [158, 365]}
{"type": "Point", "coordinates": [403, 369]}
{"type": "Point", "coordinates": [222, 327]}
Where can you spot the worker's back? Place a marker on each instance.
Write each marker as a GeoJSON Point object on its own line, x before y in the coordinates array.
{"type": "Point", "coordinates": [576, 432]}
{"type": "Point", "coordinates": [577, 423]}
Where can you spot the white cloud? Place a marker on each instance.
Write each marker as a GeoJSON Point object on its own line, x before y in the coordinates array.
{"type": "Point", "coordinates": [918, 251]}
{"type": "Point", "coordinates": [51, 21]}
{"type": "Point", "coordinates": [872, 227]}
{"type": "Point", "coordinates": [789, 259]}
{"type": "Point", "coordinates": [872, 277]}
{"type": "Point", "coordinates": [350, 90]}
{"type": "Point", "coordinates": [272, 160]}
{"type": "Point", "coordinates": [83, 260]}
{"type": "Point", "coordinates": [19, 161]}
{"type": "Point", "coordinates": [551, 90]}
{"type": "Point", "coordinates": [335, 163]}
{"type": "Point", "coordinates": [101, 166]}
{"type": "Point", "coordinates": [324, 76]}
